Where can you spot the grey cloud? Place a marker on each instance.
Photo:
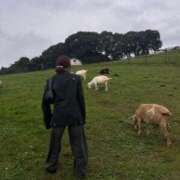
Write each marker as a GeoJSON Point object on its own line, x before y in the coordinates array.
{"type": "Point", "coordinates": [28, 27]}
{"type": "Point", "coordinates": [14, 47]}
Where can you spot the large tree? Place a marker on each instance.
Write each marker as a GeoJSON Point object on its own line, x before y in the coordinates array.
{"type": "Point", "coordinates": [106, 43]}
{"type": "Point", "coordinates": [48, 57]}
{"type": "Point", "coordinates": [118, 46]}
{"type": "Point", "coordinates": [92, 47]}
{"type": "Point", "coordinates": [153, 39]}
{"type": "Point", "coordinates": [84, 45]}
{"type": "Point", "coordinates": [22, 65]}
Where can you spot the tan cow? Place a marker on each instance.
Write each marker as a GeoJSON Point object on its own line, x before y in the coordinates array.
{"type": "Point", "coordinates": [154, 114]}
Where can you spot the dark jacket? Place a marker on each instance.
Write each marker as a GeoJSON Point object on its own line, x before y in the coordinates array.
{"type": "Point", "coordinates": [68, 104]}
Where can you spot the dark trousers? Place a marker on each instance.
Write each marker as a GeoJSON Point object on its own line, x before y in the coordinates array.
{"type": "Point", "coordinates": [78, 146]}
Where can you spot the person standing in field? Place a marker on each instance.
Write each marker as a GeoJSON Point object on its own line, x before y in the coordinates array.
{"type": "Point", "coordinates": [64, 91]}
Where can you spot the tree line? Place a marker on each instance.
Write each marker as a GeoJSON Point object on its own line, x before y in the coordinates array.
{"type": "Point", "coordinates": [91, 47]}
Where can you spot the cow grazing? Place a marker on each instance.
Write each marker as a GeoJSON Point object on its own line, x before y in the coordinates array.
{"type": "Point", "coordinates": [99, 80]}
{"type": "Point", "coordinates": [153, 114]}
{"type": "Point", "coordinates": [104, 71]}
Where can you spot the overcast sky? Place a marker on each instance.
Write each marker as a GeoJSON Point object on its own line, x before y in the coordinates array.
{"type": "Point", "coordinates": [27, 27]}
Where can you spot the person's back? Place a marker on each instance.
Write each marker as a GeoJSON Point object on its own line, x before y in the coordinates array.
{"type": "Point", "coordinates": [68, 111]}
{"type": "Point", "coordinates": [69, 107]}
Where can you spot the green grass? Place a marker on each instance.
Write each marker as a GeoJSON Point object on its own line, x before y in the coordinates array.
{"type": "Point", "coordinates": [115, 150]}
{"type": "Point", "coordinates": [170, 58]}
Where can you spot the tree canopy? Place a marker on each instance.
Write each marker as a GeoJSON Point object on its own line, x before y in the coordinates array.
{"type": "Point", "coordinates": [91, 47]}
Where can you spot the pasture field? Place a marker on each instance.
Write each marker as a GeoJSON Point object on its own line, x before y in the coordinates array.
{"type": "Point", "coordinates": [115, 150]}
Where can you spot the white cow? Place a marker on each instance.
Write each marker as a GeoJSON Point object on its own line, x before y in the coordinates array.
{"type": "Point", "coordinates": [99, 80]}
{"type": "Point", "coordinates": [82, 73]}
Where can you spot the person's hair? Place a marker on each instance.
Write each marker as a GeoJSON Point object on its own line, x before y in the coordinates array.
{"type": "Point", "coordinates": [62, 63]}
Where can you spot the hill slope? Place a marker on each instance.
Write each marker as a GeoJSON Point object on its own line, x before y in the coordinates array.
{"type": "Point", "coordinates": [115, 150]}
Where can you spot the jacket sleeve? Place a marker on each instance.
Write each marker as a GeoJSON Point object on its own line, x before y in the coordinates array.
{"type": "Point", "coordinates": [80, 97]}
{"type": "Point", "coordinates": [46, 108]}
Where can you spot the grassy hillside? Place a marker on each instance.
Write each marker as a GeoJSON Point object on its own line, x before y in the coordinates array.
{"type": "Point", "coordinates": [115, 150]}
{"type": "Point", "coordinates": [171, 57]}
